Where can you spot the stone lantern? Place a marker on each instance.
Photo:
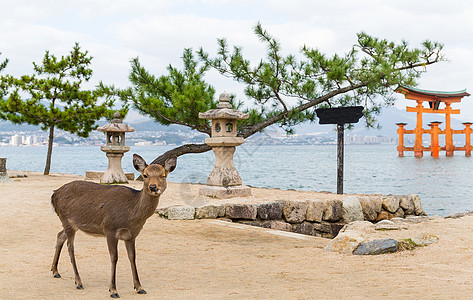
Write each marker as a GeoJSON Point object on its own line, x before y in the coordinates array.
{"type": "Point", "coordinates": [115, 148]}
{"type": "Point", "coordinates": [224, 180]}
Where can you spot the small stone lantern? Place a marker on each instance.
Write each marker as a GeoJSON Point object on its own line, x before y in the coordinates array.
{"type": "Point", "coordinates": [224, 180]}
{"type": "Point", "coordinates": [115, 148]}
{"type": "Point", "coordinates": [3, 170]}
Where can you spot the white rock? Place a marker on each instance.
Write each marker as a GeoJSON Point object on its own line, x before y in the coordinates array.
{"type": "Point", "coordinates": [345, 242]}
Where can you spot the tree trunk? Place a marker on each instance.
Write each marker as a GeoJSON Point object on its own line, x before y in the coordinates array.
{"type": "Point", "coordinates": [181, 150]}
{"type": "Point", "coordinates": [50, 150]}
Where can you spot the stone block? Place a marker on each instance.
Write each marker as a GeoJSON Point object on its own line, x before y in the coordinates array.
{"type": "Point", "coordinates": [371, 207]}
{"type": "Point", "coordinates": [376, 247]}
{"type": "Point", "coordinates": [399, 213]}
{"type": "Point", "coordinates": [323, 227]}
{"type": "Point", "coordinates": [280, 225]}
{"type": "Point", "coordinates": [162, 212]}
{"type": "Point", "coordinates": [241, 211]}
{"type": "Point", "coordinates": [97, 175]}
{"type": "Point", "coordinates": [391, 203]}
{"type": "Point", "coordinates": [180, 212]}
{"type": "Point", "coordinates": [345, 242]}
{"type": "Point", "coordinates": [303, 228]}
{"type": "Point", "coordinates": [221, 192]}
{"type": "Point", "coordinates": [407, 204]}
{"type": "Point", "coordinates": [417, 204]}
{"type": "Point", "coordinates": [294, 211]}
{"type": "Point", "coordinates": [384, 215]}
{"type": "Point", "coordinates": [333, 211]}
{"type": "Point", "coordinates": [351, 209]}
{"type": "Point", "coordinates": [210, 212]}
{"type": "Point", "coordinates": [269, 211]}
{"type": "Point", "coordinates": [315, 210]}
{"type": "Point", "coordinates": [251, 223]}
{"type": "Point", "coordinates": [335, 228]}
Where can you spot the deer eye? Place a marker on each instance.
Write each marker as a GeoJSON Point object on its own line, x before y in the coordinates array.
{"type": "Point", "coordinates": [145, 176]}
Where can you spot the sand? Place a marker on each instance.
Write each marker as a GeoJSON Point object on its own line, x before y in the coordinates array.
{"type": "Point", "coordinates": [209, 259]}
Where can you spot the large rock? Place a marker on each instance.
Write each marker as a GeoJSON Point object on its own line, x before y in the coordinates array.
{"type": "Point", "coordinates": [391, 204]}
{"type": "Point", "coordinates": [269, 211]}
{"type": "Point", "coordinates": [351, 209]}
{"type": "Point", "coordinates": [371, 207]}
{"type": "Point", "coordinates": [407, 204]}
{"type": "Point", "coordinates": [294, 211]}
{"type": "Point", "coordinates": [417, 204]}
{"type": "Point", "coordinates": [345, 242]}
{"type": "Point", "coordinates": [376, 247]}
{"type": "Point", "coordinates": [241, 211]}
{"type": "Point", "coordinates": [180, 212]}
{"type": "Point", "coordinates": [210, 212]}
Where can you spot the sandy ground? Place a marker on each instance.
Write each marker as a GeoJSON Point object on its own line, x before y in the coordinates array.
{"type": "Point", "coordinates": [208, 259]}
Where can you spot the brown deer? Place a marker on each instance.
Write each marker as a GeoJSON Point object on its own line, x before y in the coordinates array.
{"type": "Point", "coordinates": [116, 212]}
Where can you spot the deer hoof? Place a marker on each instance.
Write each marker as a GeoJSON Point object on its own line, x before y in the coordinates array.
{"type": "Point", "coordinates": [142, 292]}
{"type": "Point", "coordinates": [115, 295]}
{"type": "Point", "coordinates": [80, 287]}
{"type": "Point", "coordinates": [57, 275]}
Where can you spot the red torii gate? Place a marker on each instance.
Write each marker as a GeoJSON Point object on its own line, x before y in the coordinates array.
{"type": "Point", "coordinates": [434, 99]}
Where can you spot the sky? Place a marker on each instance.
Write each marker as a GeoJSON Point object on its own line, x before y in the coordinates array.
{"type": "Point", "coordinates": [115, 31]}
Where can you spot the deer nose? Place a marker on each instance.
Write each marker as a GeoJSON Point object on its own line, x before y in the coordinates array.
{"type": "Point", "coordinates": [152, 187]}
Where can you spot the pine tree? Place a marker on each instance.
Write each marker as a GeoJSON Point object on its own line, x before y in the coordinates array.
{"type": "Point", "coordinates": [3, 87]}
{"type": "Point", "coordinates": [53, 98]}
{"type": "Point", "coordinates": [286, 90]}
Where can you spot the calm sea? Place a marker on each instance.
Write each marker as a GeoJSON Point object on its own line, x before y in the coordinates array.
{"type": "Point", "coordinates": [444, 184]}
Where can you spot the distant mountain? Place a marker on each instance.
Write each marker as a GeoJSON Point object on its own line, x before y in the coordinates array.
{"type": "Point", "coordinates": [8, 126]}
{"type": "Point", "coordinates": [387, 120]}
{"type": "Point", "coordinates": [139, 125]}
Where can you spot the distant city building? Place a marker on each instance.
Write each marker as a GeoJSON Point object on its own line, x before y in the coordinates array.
{"type": "Point", "coordinates": [16, 140]}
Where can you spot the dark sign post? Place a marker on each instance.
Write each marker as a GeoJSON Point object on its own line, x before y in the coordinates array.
{"type": "Point", "coordinates": [340, 116]}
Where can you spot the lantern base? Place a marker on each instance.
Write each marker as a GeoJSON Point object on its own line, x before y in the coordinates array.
{"type": "Point", "coordinates": [221, 192]}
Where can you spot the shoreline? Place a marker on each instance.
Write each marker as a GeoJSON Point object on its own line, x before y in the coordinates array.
{"type": "Point", "coordinates": [205, 259]}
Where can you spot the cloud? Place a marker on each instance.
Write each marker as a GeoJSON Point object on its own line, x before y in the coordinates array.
{"type": "Point", "coordinates": [158, 31]}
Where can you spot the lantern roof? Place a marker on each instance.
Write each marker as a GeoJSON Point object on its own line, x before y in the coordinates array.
{"type": "Point", "coordinates": [224, 110]}
{"type": "Point", "coordinates": [116, 125]}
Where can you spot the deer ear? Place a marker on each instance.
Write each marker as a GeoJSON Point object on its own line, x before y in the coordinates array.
{"type": "Point", "coordinates": [139, 163]}
{"type": "Point", "coordinates": [170, 164]}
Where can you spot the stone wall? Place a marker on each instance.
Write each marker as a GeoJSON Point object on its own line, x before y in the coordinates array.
{"type": "Point", "coordinates": [322, 218]}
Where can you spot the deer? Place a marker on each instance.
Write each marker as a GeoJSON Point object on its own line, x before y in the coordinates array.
{"type": "Point", "coordinates": [116, 212]}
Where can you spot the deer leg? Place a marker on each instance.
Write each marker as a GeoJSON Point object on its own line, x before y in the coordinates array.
{"type": "Point", "coordinates": [112, 243]}
{"type": "Point", "coordinates": [61, 238]}
{"type": "Point", "coordinates": [130, 249]}
{"type": "Point", "coordinates": [70, 246]}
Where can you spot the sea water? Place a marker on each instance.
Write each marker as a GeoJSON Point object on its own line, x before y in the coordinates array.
{"type": "Point", "coordinates": [444, 184]}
